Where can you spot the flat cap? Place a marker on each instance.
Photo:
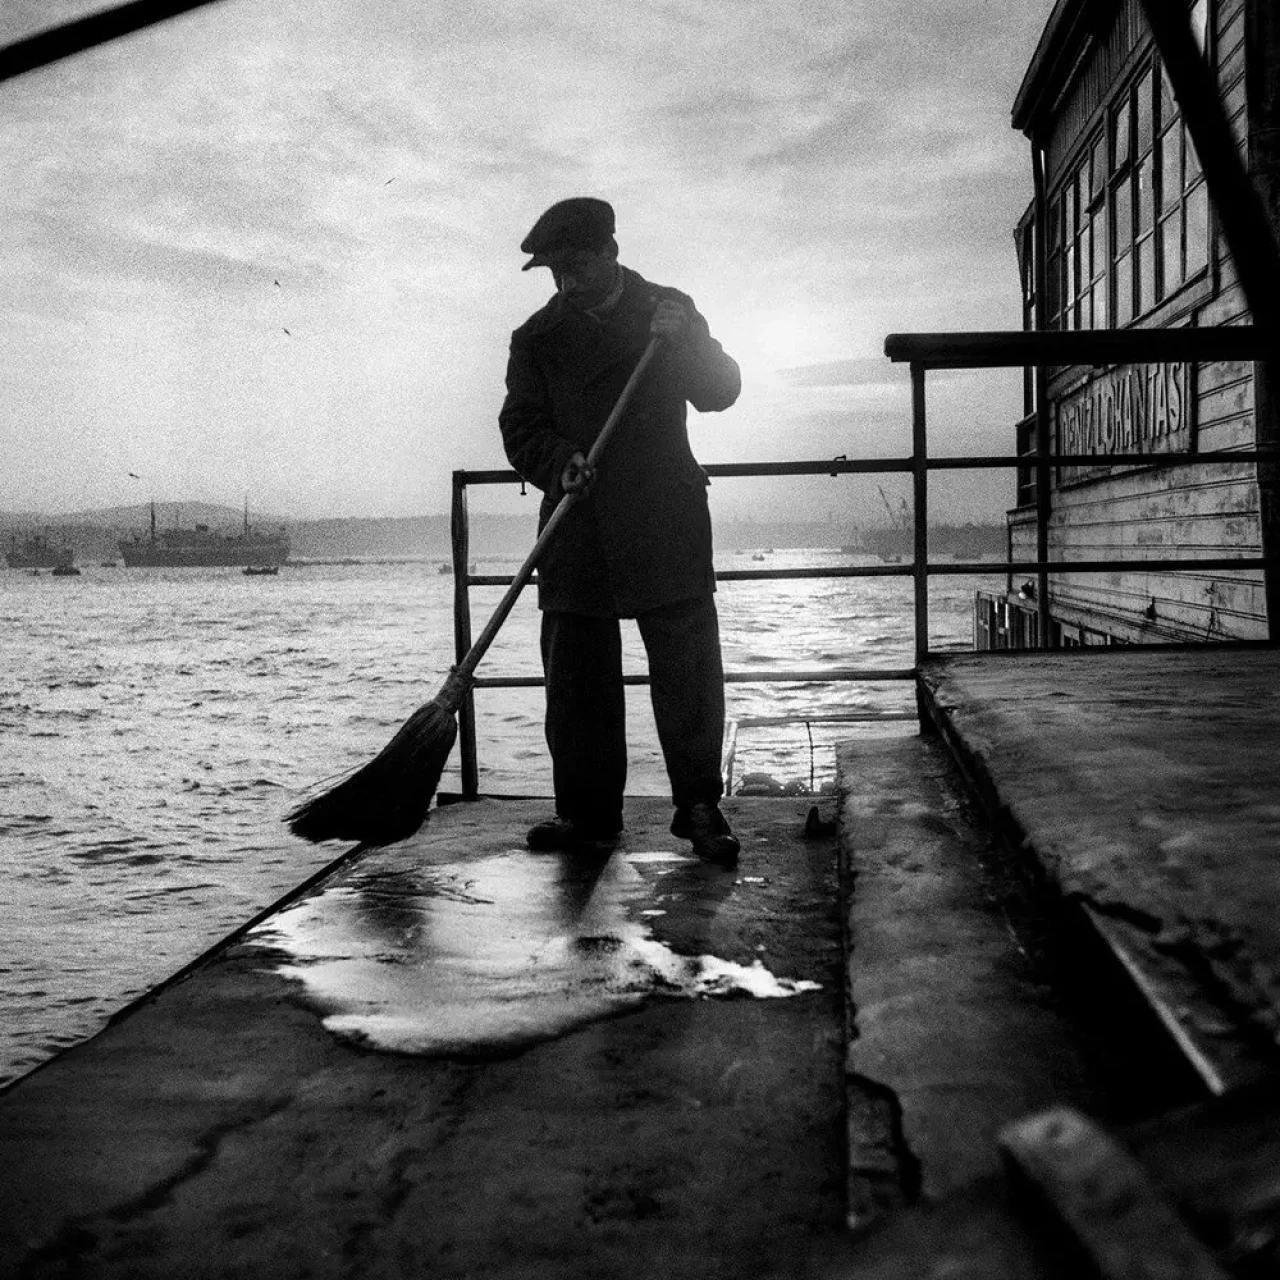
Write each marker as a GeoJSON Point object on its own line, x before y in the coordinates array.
{"type": "Point", "coordinates": [582, 222]}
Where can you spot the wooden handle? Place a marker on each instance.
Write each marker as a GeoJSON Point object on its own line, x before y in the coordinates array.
{"type": "Point", "coordinates": [460, 677]}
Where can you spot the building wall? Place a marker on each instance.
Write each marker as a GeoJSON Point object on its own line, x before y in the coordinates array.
{"type": "Point", "coordinates": [1190, 511]}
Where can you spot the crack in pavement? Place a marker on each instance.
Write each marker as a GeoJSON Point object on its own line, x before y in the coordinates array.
{"type": "Point", "coordinates": [76, 1237]}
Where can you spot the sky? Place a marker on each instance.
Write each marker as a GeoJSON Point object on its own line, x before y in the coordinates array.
{"type": "Point", "coordinates": [270, 249]}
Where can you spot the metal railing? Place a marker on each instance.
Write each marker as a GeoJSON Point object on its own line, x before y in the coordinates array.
{"type": "Point", "coordinates": [923, 352]}
{"type": "Point", "coordinates": [1044, 351]}
{"type": "Point", "coordinates": [464, 580]}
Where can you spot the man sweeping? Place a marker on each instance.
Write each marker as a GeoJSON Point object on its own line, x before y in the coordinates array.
{"type": "Point", "coordinates": [636, 543]}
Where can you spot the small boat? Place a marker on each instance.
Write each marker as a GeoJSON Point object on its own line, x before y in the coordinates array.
{"type": "Point", "coordinates": [258, 570]}
{"type": "Point", "coordinates": [65, 571]}
{"type": "Point", "coordinates": [36, 552]}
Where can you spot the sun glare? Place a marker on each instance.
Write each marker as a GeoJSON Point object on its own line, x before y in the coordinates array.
{"type": "Point", "coordinates": [783, 340]}
{"type": "Point", "coordinates": [767, 342]}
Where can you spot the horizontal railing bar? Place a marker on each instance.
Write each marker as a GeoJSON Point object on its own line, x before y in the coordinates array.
{"type": "Point", "coordinates": [815, 467]}
{"type": "Point", "coordinates": [1239, 563]}
{"type": "Point", "coordinates": [1018, 348]}
{"type": "Point", "coordinates": [836, 675]}
{"type": "Point", "coordinates": [845, 466]}
{"type": "Point", "coordinates": [1172, 459]}
{"type": "Point", "coordinates": [818, 467]}
{"type": "Point", "coordinates": [487, 477]}
{"type": "Point", "coordinates": [747, 575]}
{"type": "Point", "coordinates": [826, 717]}
{"type": "Point", "coordinates": [959, 568]}
{"type": "Point", "coordinates": [834, 571]}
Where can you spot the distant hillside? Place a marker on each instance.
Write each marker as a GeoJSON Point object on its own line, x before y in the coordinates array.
{"type": "Point", "coordinates": [408, 537]}
{"type": "Point", "coordinates": [93, 534]}
{"type": "Point", "coordinates": [168, 515]}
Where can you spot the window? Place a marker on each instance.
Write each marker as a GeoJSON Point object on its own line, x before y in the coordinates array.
{"type": "Point", "coordinates": [1200, 24]}
{"type": "Point", "coordinates": [1025, 240]}
{"type": "Point", "coordinates": [1129, 223]}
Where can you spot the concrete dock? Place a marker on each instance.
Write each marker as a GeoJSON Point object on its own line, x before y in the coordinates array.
{"type": "Point", "coordinates": [1146, 785]}
{"type": "Point", "coordinates": [453, 1057]}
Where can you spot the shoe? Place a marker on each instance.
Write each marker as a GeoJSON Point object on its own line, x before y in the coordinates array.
{"type": "Point", "coordinates": [555, 834]}
{"type": "Point", "coordinates": [709, 830]}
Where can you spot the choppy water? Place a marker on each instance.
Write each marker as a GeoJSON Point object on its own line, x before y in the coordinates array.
{"type": "Point", "coordinates": [158, 724]}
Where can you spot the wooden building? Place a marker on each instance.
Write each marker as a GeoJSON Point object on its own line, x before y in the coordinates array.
{"type": "Point", "coordinates": [1125, 231]}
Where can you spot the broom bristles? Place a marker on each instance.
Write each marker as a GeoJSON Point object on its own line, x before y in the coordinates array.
{"type": "Point", "coordinates": [386, 800]}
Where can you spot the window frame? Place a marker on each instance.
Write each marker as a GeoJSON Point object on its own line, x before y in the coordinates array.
{"type": "Point", "coordinates": [1121, 247]}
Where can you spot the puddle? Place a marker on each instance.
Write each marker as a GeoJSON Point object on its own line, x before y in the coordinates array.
{"type": "Point", "coordinates": [487, 956]}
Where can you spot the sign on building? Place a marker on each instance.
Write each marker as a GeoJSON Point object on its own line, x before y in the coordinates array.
{"type": "Point", "coordinates": [1139, 408]}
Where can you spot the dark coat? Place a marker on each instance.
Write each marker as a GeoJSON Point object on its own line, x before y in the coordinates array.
{"type": "Point", "coordinates": [641, 538]}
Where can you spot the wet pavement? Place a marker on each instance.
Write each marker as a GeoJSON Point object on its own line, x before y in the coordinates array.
{"type": "Point", "coordinates": [487, 955]}
{"type": "Point", "coordinates": [634, 1111]}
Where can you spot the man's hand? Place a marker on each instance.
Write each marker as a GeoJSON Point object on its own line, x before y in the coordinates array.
{"type": "Point", "coordinates": [577, 476]}
{"type": "Point", "coordinates": [670, 321]}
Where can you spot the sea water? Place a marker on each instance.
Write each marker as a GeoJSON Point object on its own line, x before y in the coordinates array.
{"type": "Point", "coordinates": [159, 724]}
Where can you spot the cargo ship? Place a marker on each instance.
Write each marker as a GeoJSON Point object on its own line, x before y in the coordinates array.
{"type": "Point", "coordinates": [202, 547]}
{"type": "Point", "coordinates": [36, 552]}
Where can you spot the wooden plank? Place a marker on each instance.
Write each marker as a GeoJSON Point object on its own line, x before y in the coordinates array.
{"type": "Point", "coordinates": [1100, 1193]}
{"type": "Point", "coordinates": [1015, 348]}
{"type": "Point", "coordinates": [1222, 373]}
{"type": "Point", "coordinates": [1231, 400]}
{"type": "Point", "coordinates": [1173, 535]}
{"type": "Point", "coordinates": [1188, 604]}
{"type": "Point", "coordinates": [1155, 526]}
{"type": "Point", "coordinates": [1228, 306]}
{"type": "Point", "coordinates": [1173, 624]}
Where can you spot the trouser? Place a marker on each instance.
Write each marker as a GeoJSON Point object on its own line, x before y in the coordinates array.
{"type": "Point", "coordinates": [586, 708]}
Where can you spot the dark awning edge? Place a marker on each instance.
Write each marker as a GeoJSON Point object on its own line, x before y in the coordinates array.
{"type": "Point", "coordinates": [57, 43]}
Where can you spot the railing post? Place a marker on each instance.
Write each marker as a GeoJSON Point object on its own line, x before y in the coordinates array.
{"type": "Point", "coordinates": [920, 507]}
{"type": "Point", "coordinates": [1044, 620]}
{"type": "Point", "coordinates": [461, 538]}
{"type": "Point", "coordinates": [1044, 507]}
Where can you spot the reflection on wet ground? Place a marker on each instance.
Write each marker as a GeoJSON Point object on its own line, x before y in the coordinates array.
{"type": "Point", "coordinates": [484, 956]}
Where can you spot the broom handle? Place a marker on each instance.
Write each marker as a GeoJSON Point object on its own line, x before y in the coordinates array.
{"type": "Point", "coordinates": [460, 676]}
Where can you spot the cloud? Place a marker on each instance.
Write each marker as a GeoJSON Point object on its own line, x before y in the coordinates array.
{"type": "Point", "coordinates": [815, 174]}
{"type": "Point", "coordinates": [857, 372]}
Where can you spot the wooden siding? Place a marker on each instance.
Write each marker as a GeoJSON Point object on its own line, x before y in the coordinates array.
{"type": "Point", "coordinates": [1188, 511]}
{"type": "Point", "coordinates": [1187, 605]}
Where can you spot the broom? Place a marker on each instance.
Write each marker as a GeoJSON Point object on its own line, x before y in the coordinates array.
{"type": "Point", "coordinates": [387, 799]}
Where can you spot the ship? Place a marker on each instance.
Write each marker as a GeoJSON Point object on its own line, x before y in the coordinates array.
{"type": "Point", "coordinates": [36, 552]}
{"type": "Point", "coordinates": [202, 547]}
